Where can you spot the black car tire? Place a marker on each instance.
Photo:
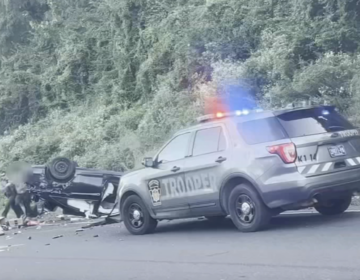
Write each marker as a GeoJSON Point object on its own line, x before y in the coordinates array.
{"type": "Point", "coordinates": [261, 215]}
{"type": "Point", "coordinates": [148, 223]}
{"type": "Point", "coordinates": [334, 207]}
{"type": "Point", "coordinates": [61, 169]}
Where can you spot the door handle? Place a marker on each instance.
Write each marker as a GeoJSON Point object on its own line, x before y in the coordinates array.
{"type": "Point", "coordinates": [175, 168]}
{"type": "Point", "coordinates": [220, 159]}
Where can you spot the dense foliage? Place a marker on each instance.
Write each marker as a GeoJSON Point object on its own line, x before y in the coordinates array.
{"type": "Point", "coordinates": [106, 81]}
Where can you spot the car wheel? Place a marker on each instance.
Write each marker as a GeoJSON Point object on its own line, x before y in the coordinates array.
{"type": "Point", "coordinates": [136, 217]}
{"type": "Point", "coordinates": [216, 219]}
{"type": "Point", "coordinates": [62, 169]}
{"type": "Point", "coordinates": [334, 206]}
{"type": "Point", "coordinates": [247, 211]}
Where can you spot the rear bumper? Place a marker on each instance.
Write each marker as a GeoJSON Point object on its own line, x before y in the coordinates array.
{"type": "Point", "coordinates": [301, 189]}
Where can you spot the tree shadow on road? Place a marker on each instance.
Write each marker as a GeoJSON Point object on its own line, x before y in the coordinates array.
{"type": "Point", "coordinates": [281, 222]}
{"type": "Point", "coordinates": [310, 221]}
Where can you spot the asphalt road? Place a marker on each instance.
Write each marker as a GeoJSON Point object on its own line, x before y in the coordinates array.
{"type": "Point", "coordinates": [306, 246]}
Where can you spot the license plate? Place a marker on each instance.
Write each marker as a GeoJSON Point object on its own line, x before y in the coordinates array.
{"type": "Point", "coordinates": [337, 151]}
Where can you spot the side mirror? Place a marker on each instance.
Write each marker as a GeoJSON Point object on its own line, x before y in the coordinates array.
{"type": "Point", "coordinates": [148, 162]}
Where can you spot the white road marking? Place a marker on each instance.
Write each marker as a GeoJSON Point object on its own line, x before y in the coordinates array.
{"type": "Point", "coordinates": [313, 168]}
{"type": "Point", "coordinates": [327, 166]}
{"type": "Point", "coordinates": [8, 247]}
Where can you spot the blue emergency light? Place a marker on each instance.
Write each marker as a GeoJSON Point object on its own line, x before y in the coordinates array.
{"type": "Point", "coordinates": [219, 115]}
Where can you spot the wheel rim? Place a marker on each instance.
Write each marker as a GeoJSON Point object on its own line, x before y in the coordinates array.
{"type": "Point", "coordinates": [61, 167]}
{"type": "Point", "coordinates": [136, 215]}
{"type": "Point", "coordinates": [245, 209]}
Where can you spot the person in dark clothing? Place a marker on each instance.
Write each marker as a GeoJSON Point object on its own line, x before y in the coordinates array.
{"type": "Point", "coordinates": [18, 174]}
{"type": "Point", "coordinates": [23, 200]}
{"type": "Point", "coordinates": [11, 195]}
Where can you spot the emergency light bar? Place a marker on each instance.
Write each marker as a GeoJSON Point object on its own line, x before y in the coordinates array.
{"type": "Point", "coordinates": [220, 115]}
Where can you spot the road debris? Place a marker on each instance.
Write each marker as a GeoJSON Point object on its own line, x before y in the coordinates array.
{"type": "Point", "coordinates": [47, 244]}
{"type": "Point", "coordinates": [57, 236]}
{"type": "Point", "coordinates": [76, 219]}
{"type": "Point", "coordinates": [5, 228]}
{"type": "Point", "coordinates": [79, 230]}
{"type": "Point", "coordinates": [61, 217]}
{"type": "Point", "coordinates": [106, 221]}
{"type": "Point", "coordinates": [32, 223]}
{"type": "Point", "coordinates": [96, 235]}
{"type": "Point", "coordinates": [29, 237]}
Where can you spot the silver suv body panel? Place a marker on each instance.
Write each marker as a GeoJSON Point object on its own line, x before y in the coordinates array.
{"type": "Point", "coordinates": [327, 163]}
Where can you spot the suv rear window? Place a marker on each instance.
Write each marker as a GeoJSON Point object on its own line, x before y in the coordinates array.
{"type": "Point", "coordinates": [261, 131]}
{"type": "Point", "coordinates": [313, 121]}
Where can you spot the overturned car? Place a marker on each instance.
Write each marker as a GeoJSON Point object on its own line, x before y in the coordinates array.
{"type": "Point", "coordinates": [77, 191]}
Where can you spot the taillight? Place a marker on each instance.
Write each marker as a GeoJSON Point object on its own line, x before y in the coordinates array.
{"type": "Point", "coordinates": [287, 152]}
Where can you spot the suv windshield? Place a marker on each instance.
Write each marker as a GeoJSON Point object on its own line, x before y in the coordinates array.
{"type": "Point", "coordinates": [313, 121]}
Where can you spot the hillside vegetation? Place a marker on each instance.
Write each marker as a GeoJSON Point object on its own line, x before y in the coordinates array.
{"type": "Point", "coordinates": [106, 81]}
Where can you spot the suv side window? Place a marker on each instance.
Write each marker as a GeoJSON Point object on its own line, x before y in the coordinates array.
{"type": "Point", "coordinates": [208, 140]}
{"type": "Point", "coordinates": [176, 149]}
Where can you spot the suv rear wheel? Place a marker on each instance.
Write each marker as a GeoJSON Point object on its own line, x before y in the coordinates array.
{"type": "Point", "coordinates": [136, 217]}
{"type": "Point", "coordinates": [334, 206]}
{"type": "Point", "coordinates": [247, 211]}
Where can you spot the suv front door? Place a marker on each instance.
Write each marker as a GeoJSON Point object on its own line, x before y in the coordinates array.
{"type": "Point", "coordinates": [204, 169]}
{"type": "Point", "coordinates": [169, 175]}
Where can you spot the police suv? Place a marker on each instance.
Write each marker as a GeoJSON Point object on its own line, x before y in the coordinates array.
{"type": "Point", "coordinates": [250, 165]}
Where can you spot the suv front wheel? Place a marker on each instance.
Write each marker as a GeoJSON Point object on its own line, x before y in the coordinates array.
{"type": "Point", "coordinates": [136, 217]}
{"type": "Point", "coordinates": [334, 206]}
{"type": "Point", "coordinates": [247, 211]}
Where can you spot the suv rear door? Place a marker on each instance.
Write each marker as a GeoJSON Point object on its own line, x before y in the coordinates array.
{"type": "Point", "coordinates": [325, 141]}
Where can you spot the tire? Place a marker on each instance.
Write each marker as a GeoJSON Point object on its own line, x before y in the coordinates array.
{"type": "Point", "coordinates": [216, 219]}
{"type": "Point", "coordinates": [145, 225]}
{"type": "Point", "coordinates": [259, 215]}
{"type": "Point", "coordinates": [61, 169]}
{"type": "Point", "coordinates": [334, 207]}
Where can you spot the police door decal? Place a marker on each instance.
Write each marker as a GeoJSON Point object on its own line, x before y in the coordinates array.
{"type": "Point", "coordinates": [155, 192]}
{"type": "Point", "coordinates": [196, 184]}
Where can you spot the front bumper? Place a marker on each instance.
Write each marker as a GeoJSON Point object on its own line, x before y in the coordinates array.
{"type": "Point", "coordinates": [298, 188]}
